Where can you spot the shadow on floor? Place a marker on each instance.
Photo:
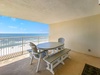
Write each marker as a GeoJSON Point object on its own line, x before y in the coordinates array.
{"type": "Point", "coordinates": [23, 67]}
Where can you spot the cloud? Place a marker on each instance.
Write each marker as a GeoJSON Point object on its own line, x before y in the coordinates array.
{"type": "Point", "coordinates": [12, 27]}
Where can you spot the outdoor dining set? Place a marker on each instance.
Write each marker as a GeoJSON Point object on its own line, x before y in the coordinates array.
{"type": "Point", "coordinates": [53, 53]}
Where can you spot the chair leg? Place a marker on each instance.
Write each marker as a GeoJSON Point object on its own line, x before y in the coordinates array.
{"type": "Point", "coordinates": [31, 61]}
{"type": "Point", "coordinates": [38, 65]}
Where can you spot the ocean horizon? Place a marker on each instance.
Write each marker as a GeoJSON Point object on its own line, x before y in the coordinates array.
{"type": "Point", "coordinates": [22, 34]}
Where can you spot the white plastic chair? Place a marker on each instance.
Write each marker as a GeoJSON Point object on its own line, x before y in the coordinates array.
{"type": "Point", "coordinates": [61, 40]}
{"type": "Point", "coordinates": [34, 52]}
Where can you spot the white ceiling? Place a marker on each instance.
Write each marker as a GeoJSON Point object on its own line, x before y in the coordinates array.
{"type": "Point", "coordinates": [49, 11]}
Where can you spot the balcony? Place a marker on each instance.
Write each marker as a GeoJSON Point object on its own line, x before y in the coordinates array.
{"type": "Point", "coordinates": [15, 59]}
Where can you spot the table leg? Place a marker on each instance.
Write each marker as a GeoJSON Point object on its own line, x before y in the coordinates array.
{"type": "Point", "coordinates": [38, 65]}
{"type": "Point", "coordinates": [46, 53]}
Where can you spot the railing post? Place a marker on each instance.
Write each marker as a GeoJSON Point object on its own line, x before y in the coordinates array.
{"type": "Point", "coordinates": [22, 45]}
{"type": "Point", "coordinates": [38, 39]}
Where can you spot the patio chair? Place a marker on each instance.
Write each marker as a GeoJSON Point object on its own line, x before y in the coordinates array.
{"type": "Point", "coordinates": [34, 53]}
{"type": "Point", "coordinates": [61, 40]}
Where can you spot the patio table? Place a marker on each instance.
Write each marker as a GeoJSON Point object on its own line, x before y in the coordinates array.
{"type": "Point", "coordinates": [47, 46]}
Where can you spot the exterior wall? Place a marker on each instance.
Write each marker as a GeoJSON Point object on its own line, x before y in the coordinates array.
{"type": "Point", "coordinates": [80, 34]}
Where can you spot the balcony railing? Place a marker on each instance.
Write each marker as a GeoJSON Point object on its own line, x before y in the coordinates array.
{"type": "Point", "coordinates": [15, 46]}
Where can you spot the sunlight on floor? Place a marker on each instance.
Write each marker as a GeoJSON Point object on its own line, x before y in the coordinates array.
{"type": "Point", "coordinates": [12, 60]}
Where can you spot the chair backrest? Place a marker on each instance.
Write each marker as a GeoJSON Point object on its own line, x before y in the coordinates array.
{"type": "Point", "coordinates": [61, 40]}
{"type": "Point", "coordinates": [35, 52]}
{"type": "Point", "coordinates": [34, 48]}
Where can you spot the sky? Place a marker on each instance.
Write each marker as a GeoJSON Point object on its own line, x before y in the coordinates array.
{"type": "Point", "coordinates": [15, 25]}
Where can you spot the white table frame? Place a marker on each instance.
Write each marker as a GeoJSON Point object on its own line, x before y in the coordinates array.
{"type": "Point", "coordinates": [47, 46]}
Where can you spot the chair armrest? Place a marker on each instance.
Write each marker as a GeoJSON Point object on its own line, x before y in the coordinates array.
{"type": "Point", "coordinates": [30, 51]}
{"type": "Point", "coordinates": [41, 52]}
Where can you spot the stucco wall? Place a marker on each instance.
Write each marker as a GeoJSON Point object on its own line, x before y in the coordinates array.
{"type": "Point", "coordinates": [80, 34]}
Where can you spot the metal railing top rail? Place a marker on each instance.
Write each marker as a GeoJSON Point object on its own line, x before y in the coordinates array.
{"type": "Point", "coordinates": [21, 37]}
